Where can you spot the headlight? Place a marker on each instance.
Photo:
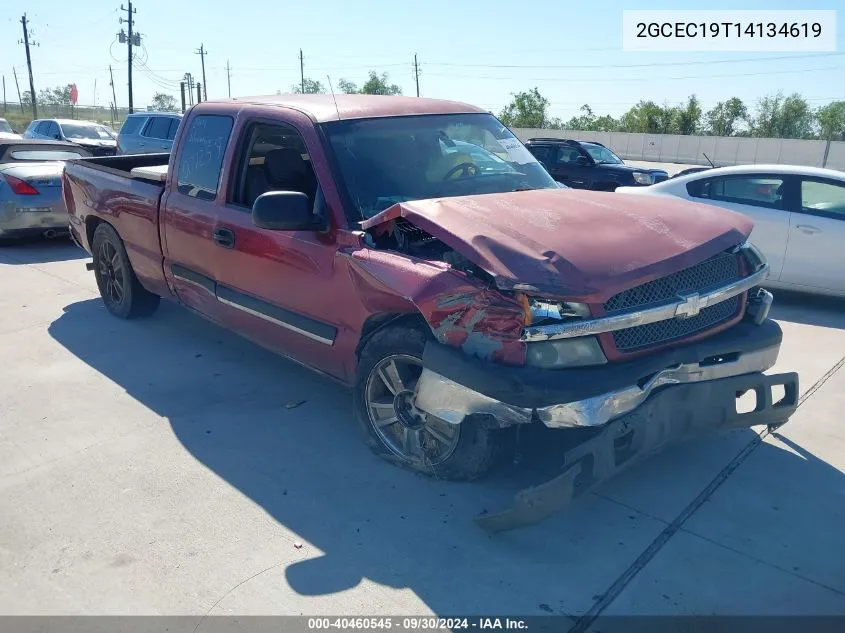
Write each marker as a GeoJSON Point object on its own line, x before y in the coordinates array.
{"type": "Point", "coordinates": [572, 352]}
{"type": "Point", "coordinates": [642, 178]}
{"type": "Point", "coordinates": [540, 310]}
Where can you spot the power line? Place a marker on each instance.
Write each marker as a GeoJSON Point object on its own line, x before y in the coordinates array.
{"type": "Point", "coordinates": [643, 65]}
{"type": "Point", "coordinates": [617, 79]}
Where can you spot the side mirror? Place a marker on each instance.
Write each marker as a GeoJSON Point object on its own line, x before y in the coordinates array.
{"type": "Point", "coordinates": [284, 211]}
{"type": "Point", "coordinates": [58, 137]}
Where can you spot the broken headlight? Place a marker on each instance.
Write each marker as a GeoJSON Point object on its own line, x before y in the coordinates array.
{"type": "Point", "coordinates": [540, 311]}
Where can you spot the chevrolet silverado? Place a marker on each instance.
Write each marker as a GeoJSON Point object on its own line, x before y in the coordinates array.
{"type": "Point", "coordinates": [460, 293]}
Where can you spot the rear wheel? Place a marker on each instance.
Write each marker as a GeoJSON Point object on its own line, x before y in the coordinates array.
{"type": "Point", "coordinates": [389, 368]}
{"type": "Point", "coordinates": [120, 289]}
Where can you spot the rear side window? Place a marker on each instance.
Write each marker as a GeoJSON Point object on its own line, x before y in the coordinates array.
{"type": "Point", "coordinates": [201, 157]}
{"type": "Point", "coordinates": [757, 191]}
{"type": "Point", "coordinates": [132, 124]}
{"type": "Point", "coordinates": [174, 125]}
{"type": "Point", "coordinates": [42, 127]}
{"type": "Point", "coordinates": [158, 127]}
{"type": "Point", "coordinates": [541, 152]}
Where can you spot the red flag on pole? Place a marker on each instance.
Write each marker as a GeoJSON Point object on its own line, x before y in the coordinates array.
{"type": "Point", "coordinates": [74, 94]}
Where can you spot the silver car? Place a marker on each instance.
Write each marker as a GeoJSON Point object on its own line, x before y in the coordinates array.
{"type": "Point", "coordinates": [94, 137]}
{"type": "Point", "coordinates": [6, 130]}
{"type": "Point", "coordinates": [148, 133]}
{"type": "Point", "coordinates": [31, 202]}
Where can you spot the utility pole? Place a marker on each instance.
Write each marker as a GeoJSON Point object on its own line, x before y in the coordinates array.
{"type": "Point", "coordinates": [189, 80]}
{"type": "Point", "coordinates": [202, 53]}
{"type": "Point", "coordinates": [29, 66]}
{"type": "Point", "coordinates": [199, 92]}
{"type": "Point", "coordinates": [113, 95]}
{"type": "Point", "coordinates": [182, 90]}
{"type": "Point", "coordinates": [229, 78]}
{"type": "Point", "coordinates": [20, 101]}
{"type": "Point", "coordinates": [302, 70]}
{"type": "Point", "coordinates": [132, 39]}
{"type": "Point", "coordinates": [4, 94]}
{"type": "Point", "coordinates": [417, 74]}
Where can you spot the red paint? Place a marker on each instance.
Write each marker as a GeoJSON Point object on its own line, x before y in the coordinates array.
{"type": "Point", "coordinates": [582, 246]}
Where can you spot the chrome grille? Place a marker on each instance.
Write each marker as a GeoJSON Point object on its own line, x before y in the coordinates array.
{"type": "Point", "coordinates": [634, 338]}
{"type": "Point", "coordinates": [712, 273]}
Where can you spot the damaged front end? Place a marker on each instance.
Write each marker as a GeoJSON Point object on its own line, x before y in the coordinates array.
{"type": "Point", "coordinates": [645, 358]}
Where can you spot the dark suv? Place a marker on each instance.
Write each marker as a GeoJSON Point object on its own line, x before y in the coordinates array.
{"type": "Point", "coordinates": [589, 165]}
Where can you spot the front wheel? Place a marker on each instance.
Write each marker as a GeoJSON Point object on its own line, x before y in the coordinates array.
{"type": "Point", "coordinates": [120, 289]}
{"type": "Point", "coordinates": [388, 370]}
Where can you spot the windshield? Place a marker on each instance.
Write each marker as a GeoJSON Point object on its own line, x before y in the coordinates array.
{"type": "Point", "coordinates": [95, 132]}
{"type": "Point", "coordinates": [395, 159]}
{"type": "Point", "coordinates": [602, 155]}
{"type": "Point", "coordinates": [4, 126]}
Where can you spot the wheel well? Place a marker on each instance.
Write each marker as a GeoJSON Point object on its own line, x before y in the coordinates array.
{"type": "Point", "coordinates": [91, 224]}
{"type": "Point", "coordinates": [381, 320]}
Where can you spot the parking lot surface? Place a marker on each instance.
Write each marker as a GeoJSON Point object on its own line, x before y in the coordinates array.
{"type": "Point", "coordinates": [154, 467]}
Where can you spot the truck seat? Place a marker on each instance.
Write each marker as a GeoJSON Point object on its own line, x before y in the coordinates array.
{"type": "Point", "coordinates": [283, 170]}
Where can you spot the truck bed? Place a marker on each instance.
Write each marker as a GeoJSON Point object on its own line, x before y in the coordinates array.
{"type": "Point", "coordinates": [101, 189]}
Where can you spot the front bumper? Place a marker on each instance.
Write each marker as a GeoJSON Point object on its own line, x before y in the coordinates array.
{"type": "Point", "coordinates": [669, 416]}
{"type": "Point", "coordinates": [636, 408]}
{"type": "Point", "coordinates": [454, 385]}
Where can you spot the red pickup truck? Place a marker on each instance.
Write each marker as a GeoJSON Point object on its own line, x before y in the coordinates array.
{"type": "Point", "coordinates": [415, 250]}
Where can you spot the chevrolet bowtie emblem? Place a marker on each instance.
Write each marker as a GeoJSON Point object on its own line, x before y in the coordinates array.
{"type": "Point", "coordinates": [690, 306]}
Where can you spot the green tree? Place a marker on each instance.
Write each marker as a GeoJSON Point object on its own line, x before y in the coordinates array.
{"type": "Point", "coordinates": [783, 117]}
{"type": "Point", "coordinates": [349, 87]}
{"type": "Point", "coordinates": [687, 118]}
{"type": "Point", "coordinates": [831, 121]}
{"type": "Point", "coordinates": [527, 109]}
{"type": "Point", "coordinates": [583, 121]}
{"type": "Point", "coordinates": [378, 85]}
{"type": "Point", "coordinates": [724, 118]}
{"type": "Point", "coordinates": [648, 118]}
{"type": "Point", "coordinates": [163, 102]}
{"type": "Point", "coordinates": [312, 86]}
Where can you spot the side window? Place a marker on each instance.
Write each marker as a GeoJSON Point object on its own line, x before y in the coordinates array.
{"type": "Point", "coordinates": [174, 125]}
{"type": "Point", "coordinates": [52, 129]}
{"type": "Point", "coordinates": [756, 191]}
{"type": "Point", "coordinates": [541, 152]}
{"type": "Point", "coordinates": [567, 155]}
{"type": "Point", "coordinates": [201, 158]}
{"type": "Point", "coordinates": [823, 197]}
{"type": "Point", "coordinates": [158, 127]}
{"type": "Point", "coordinates": [132, 124]}
{"type": "Point", "coordinates": [275, 159]}
{"type": "Point", "coordinates": [42, 127]}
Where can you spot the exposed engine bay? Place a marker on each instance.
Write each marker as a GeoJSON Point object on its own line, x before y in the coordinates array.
{"type": "Point", "coordinates": [402, 236]}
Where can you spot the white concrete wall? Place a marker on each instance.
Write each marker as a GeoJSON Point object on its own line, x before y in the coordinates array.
{"type": "Point", "coordinates": [673, 148]}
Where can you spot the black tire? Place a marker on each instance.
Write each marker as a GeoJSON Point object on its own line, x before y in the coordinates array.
{"type": "Point", "coordinates": [122, 293]}
{"type": "Point", "coordinates": [477, 447]}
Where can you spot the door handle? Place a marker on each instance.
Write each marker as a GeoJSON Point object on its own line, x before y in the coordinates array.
{"type": "Point", "coordinates": [808, 229]}
{"type": "Point", "coordinates": [224, 237]}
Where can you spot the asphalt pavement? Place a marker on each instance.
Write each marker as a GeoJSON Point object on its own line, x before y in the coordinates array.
{"type": "Point", "coordinates": [153, 467]}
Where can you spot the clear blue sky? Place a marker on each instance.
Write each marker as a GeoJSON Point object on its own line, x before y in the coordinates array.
{"type": "Point", "coordinates": [460, 43]}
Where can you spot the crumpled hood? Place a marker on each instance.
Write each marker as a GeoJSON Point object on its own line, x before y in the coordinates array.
{"type": "Point", "coordinates": [579, 245]}
{"type": "Point", "coordinates": [91, 142]}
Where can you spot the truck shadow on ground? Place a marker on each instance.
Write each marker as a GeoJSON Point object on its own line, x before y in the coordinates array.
{"type": "Point", "coordinates": [307, 467]}
{"type": "Point", "coordinates": [39, 251]}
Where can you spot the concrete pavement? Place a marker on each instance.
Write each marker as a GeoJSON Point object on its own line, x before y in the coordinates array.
{"type": "Point", "coordinates": [151, 467]}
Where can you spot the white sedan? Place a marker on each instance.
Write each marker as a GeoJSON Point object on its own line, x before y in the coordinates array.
{"type": "Point", "coordinates": [798, 213]}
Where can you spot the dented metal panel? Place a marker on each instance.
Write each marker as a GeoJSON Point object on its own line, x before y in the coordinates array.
{"type": "Point", "coordinates": [581, 245]}
{"type": "Point", "coordinates": [461, 311]}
